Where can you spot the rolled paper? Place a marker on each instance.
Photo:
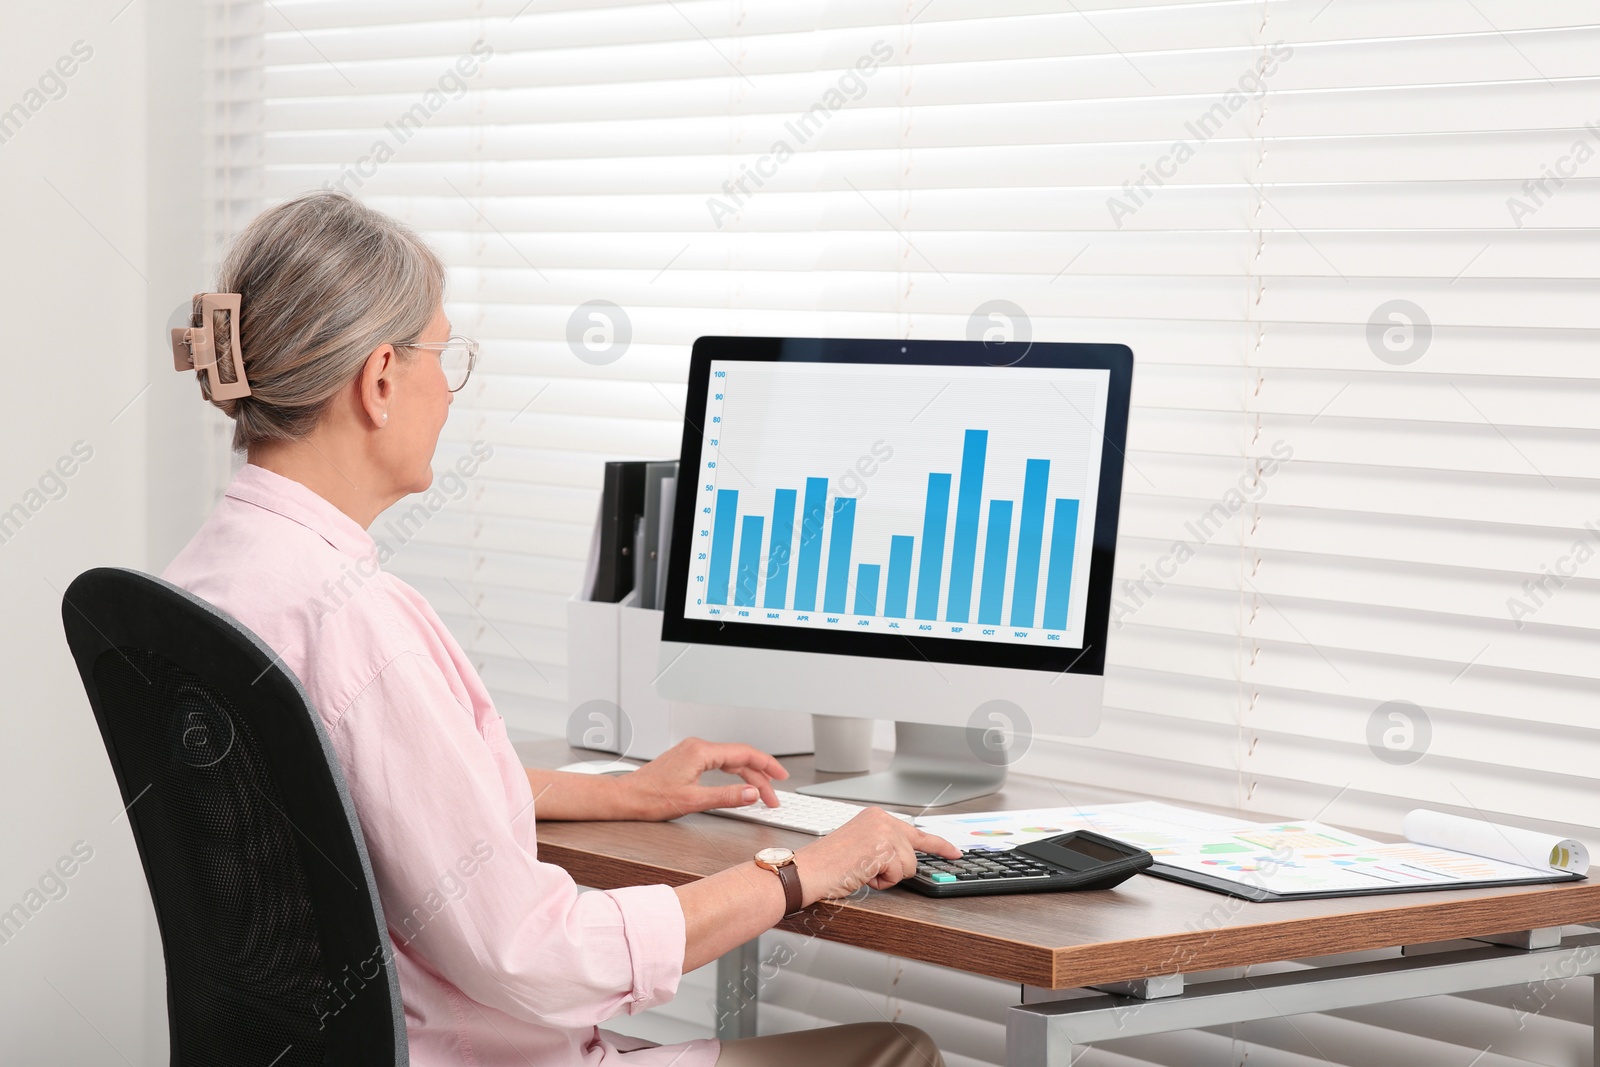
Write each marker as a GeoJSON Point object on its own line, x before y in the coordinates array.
{"type": "Point", "coordinates": [1508, 844]}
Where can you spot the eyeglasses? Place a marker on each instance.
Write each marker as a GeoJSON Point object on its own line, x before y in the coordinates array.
{"type": "Point", "coordinates": [457, 357]}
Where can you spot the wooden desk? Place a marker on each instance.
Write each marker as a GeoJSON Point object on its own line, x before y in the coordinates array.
{"type": "Point", "coordinates": [1145, 928]}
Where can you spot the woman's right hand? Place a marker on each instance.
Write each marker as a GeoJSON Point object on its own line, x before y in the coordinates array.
{"type": "Point", "coordinates": [873, 849]}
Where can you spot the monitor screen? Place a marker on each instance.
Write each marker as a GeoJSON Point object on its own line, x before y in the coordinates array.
{"type": "Point", "coordinates": [852, 496]}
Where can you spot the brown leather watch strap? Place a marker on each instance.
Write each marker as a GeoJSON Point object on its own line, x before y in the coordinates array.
{"type": "Point", "coordinates": [793, 900]}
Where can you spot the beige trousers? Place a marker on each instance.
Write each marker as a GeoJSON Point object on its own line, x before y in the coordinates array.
{"type": "Point", "coordinates": [855, 1045]}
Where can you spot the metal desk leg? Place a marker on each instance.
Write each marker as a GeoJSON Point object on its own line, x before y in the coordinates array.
{"type": "Point", "coordinates": [1029, 1043]}
{"type": "Point", "coordinates": [1594, 1022]}
{"type": "Point", "coordinates": [738, 991]}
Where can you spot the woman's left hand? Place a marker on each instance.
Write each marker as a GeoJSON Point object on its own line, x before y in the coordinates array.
{"type": "Point", "coordinates": [669, 785]}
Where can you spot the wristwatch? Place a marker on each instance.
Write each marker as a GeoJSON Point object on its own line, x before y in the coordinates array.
{"type": "Point", "coordinates": [780, 861]}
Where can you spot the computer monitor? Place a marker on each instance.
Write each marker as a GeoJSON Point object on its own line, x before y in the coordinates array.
{"type": "Point", "coordinates": [920, 531]}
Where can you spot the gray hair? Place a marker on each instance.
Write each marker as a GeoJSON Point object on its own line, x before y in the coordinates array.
{"type": "Point", "coordinates": [323, 280]}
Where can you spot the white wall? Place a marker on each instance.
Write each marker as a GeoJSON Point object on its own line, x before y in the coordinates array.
{"type": "Point", "coordinates": [99, 224]}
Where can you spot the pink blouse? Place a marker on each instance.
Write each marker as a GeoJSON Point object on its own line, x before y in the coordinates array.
{"type": "Point", "coordinates": [501, 960]}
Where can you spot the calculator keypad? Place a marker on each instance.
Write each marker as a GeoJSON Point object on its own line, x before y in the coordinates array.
{"type": "Point", "coordinates": [981, 866]}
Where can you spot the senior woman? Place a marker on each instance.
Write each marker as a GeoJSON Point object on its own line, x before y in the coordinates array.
{"type": "Point", "coordinates": [339, 388]}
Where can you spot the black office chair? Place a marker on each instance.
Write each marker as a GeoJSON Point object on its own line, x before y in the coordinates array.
{"type": "Point", "coordinates": [275, 943]}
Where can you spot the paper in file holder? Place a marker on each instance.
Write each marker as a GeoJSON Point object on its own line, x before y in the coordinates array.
{"type": "Point", "coordinates": [613, 657]}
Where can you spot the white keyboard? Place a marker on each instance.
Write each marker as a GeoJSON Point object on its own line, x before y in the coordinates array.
{"type": "Point", "coordinates": [798, 811]}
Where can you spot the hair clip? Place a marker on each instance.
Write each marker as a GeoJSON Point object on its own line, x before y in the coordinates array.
{"type": "Point", "coordinates": [195, 347]}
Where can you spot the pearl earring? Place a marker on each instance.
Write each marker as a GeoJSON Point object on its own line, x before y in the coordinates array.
{"type": "Point", "coordinates": [385, 416]}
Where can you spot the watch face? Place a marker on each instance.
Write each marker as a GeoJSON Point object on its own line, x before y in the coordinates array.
{"type": "Point", "coordinates": [777, 857]}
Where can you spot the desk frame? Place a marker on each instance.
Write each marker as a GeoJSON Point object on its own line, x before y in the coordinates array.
{"type": "Point", "coordinates": [1054, 1033]}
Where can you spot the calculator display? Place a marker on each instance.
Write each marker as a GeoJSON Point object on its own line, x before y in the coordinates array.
{"type": "Point", "coordinates": [1094, 850]}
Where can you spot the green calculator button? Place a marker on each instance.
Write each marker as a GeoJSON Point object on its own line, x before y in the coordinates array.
{"type": "Point", "coordinates": [941, 876]}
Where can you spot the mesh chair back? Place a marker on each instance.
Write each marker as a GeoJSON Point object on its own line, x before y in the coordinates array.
{"type": "Point", "coordinates": [275, 945]}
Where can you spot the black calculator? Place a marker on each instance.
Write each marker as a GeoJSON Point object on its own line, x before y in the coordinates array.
{"type": "Point", "coordinates": [1081, 859]}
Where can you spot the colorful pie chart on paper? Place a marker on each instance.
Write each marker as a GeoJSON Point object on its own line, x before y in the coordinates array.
{"type": "Point", "coordinates": [1241, 866]}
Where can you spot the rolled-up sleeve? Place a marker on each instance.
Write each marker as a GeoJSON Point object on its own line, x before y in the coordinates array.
{"type": "Point", "coordinates": [462, 888]}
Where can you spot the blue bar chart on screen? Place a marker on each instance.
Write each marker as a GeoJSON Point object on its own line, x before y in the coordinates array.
{"type": "Point", "coordinates": [930, 501]}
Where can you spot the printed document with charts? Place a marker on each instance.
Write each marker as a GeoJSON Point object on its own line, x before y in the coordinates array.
{"type": "Point", "coordinates": [1290, 860]}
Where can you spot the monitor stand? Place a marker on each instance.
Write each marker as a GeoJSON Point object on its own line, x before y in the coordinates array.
{"type": "Point", "coordinates": [932, 766]}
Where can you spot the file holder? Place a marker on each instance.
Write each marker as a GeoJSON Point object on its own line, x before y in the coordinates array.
{"type": "Point", "coordinates": [613, 657]}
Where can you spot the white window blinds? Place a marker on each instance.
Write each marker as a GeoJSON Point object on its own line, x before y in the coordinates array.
{"type": "Point", "coordinates": [1352, 244]}
{"type": "Point", "coordinates": [233, 71]}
